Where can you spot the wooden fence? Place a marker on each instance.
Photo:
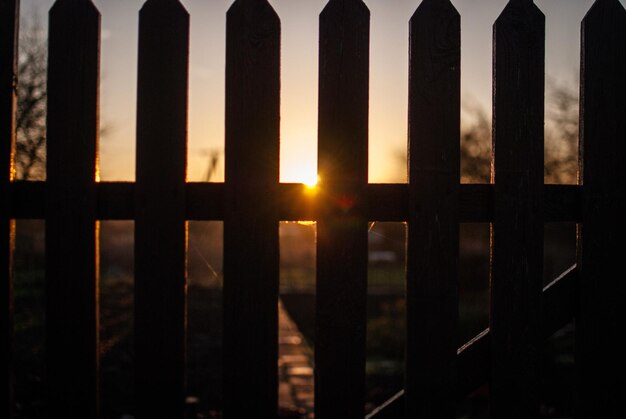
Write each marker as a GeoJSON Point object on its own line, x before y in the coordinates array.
{"type": "Point", "coordinates": [251, 201]}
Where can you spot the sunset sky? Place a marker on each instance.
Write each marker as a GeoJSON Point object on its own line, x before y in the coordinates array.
{"type": "Point", "coordinates": [388, 77]}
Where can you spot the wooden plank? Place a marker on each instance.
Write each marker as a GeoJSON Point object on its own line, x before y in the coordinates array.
{"type": "Point", "coordinates": [341, 297]}
{"type": "Point", "coordinates": [562, 203]}
{"type": "Point", "coordinates": [476, 203]}
{"type": "Point", "coordinates": [9, 22]}
{"type": "Point", "coordinates": [433, 219]}
{"type": "Point", "coordinates": [387, 202]}
{"type": "Point", "coordinates": [297, 202]}
{"type": "Point", "coordinates": [71, 227]}
{"type": "Point", "coordinates": [559, 302]}
{"type": "Point", "coordinates": [251, 255]}
{"type": "Point", "coordinates": [160, 227]}
{"type": "Point", "coordinates": [205, 201]}
{"type": "Point", "coordinates": [116, 200]}
{"type": "Point", "coordinates": [599, 357]}
{"type": "Point", "coordinates": [517, 229]}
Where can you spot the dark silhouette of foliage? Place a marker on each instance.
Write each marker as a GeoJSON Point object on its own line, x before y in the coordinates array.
{"type": "Point", "coordinates": [476, 146]}
{"type": "Point", "coordinates": [561, 141]}
{"type": "Point", "coordinates": [30, 156]}
{"type": "Point", "coordinates": [561, 138]}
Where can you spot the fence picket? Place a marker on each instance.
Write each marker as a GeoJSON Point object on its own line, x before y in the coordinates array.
{"type": "Point", "coordinates": [251, 258]}
{"type": "Point", "coordinates": [433, 219]}
{"type": "Point", "coordinates": [71, 226]}
{"type": "Point", "coordinates": [517, 229]}
{"type": "Point", "coordinates": [160, 226]}
{"type": "Point", "coordinates": [599, 358]}
{"type": "Point", "coordinates": [342, 225]}
{"type": "Point", "coordinates": [9, 20]}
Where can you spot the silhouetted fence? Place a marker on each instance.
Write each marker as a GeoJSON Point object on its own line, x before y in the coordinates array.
{"type": "Point", "coordinates": [251, 201]}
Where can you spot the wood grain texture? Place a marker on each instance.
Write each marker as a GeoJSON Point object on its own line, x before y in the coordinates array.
{"type": "Point", "coordinates": [433, 219]}
{"type": "Point", "coordinates": [251, 253]}
{"type": "Point", "coordinates": [9, 22]}
{"type": "Point", "coordinates": [71, 227]}
{"type": "Point", "coordinates": [342, 224]}
{"type": "Point", "coordinates": [517, 229]}
{"type": "Point", "coordinates": [600, 360]}
{"type": "Point", "coordinates": [160, 227]}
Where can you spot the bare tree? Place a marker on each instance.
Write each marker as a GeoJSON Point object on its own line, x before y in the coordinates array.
{"type": "Point", "coordinates": [561, 140]}
{"type": "Point", "coordinates": [30, 156]}
{"type": "Point", "coordinates": [475, 145]}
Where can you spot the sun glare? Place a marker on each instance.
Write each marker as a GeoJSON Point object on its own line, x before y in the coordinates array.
{"type": "Point", "coordinates": [310, 181]}
{"type": "Point", "coordinates": [303, 172]}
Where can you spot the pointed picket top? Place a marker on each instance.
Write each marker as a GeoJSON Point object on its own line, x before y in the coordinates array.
{"type": "Point", "coordinates": [254, 18]}
{"type": "Point", "coordinates": [515, 12]}
{"type": "Point", "coordinates": [253, 90]}
{"type": "Point", "coordinates": [603, 9]}
{"type": "Point", "coordinates": [442, 11]}
{"type": "Point", "coordinates": [441, 21]}
{"type": "Point", "coordinates": [76, 6]}
{"type": "Point", "coordinates": [257, 14]}
{"type": "Point", "coordinates": [357, 8]}
{"type": "Point", "coordinates": [343, 91]}
{"type": "Point", "coordinates": [165, 6]}
{"type": "Point", "coordinates": [603, 58]}
{"type": "Point", "coordinates": [433, 5]}
{"type": "Point", "coordinates": [341, 16]}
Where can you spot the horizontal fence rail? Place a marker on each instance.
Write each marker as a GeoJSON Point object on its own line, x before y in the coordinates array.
{"type": "Point", "coordinates": [251, 202]}
{"type": "Point", "coordinates": [205, 202]}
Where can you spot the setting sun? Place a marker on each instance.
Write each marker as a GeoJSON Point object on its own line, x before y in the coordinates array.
{"type": "Point", "coordinates": [303, 171]}
{"type": "Point", "coordinates": [311, 182]}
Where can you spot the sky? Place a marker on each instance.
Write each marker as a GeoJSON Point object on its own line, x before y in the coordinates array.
{"type": "Point", "coordinates": [299, 49]}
